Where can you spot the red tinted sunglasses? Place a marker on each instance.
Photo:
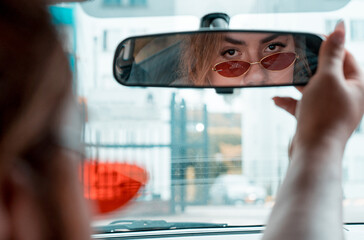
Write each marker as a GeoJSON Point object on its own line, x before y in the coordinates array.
{"type": "Point", "coordinates": [274, 62]}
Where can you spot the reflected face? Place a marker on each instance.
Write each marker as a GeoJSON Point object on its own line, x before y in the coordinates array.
{"type": "Point", "coordinates": [254, 59]}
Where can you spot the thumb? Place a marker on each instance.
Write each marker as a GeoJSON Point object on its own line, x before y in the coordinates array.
{"type": "Point", "coordinates": [332, 52]}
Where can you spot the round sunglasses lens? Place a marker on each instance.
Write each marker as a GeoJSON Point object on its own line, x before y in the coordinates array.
{"type": "Point", "coordinates": [278, 61]}
{"type": "Point", "coordinates": [232, 68]}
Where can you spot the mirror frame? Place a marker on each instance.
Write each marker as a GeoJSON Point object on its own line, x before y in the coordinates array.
{"type": "Point", "coordinates": [222, 89]}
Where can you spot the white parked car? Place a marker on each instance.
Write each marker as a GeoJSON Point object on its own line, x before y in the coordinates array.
{"type": "Point", "coordinates": [235, 189]}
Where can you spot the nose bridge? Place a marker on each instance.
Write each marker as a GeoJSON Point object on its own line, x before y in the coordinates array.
{"type": "Point", "coordinates": [255, 75]}
{"type": "Point", "coordinates": [253, 63]}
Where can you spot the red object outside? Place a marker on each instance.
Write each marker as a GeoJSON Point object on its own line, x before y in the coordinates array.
{"type": "Point", "coordinates": [112, 185]}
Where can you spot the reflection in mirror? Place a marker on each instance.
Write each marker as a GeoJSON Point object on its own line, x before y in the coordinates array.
{"type": "Point", "coordinates": [217, 59]}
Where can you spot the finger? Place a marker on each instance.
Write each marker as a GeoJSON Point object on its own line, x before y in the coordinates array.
{"type": "Point", "coordinates": [351, 67]}
{"type": "Point", "coordinates": [332, 52]}
{"type": "Point", "coordinates": [286, 103]}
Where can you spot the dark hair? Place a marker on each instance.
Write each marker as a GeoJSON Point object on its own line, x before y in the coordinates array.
{"type": "Point", "coordinates": [195, 50]}
{"type": "Point", "coordinates": [35, 81]}
{"type": "Point", "coordinates": [302, 71]}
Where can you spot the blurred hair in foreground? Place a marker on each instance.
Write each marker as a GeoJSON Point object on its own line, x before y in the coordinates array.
{"type": "Point", "coordinates": [38, 176]}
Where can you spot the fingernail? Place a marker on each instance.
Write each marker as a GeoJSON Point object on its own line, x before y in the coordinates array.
{"type": "Point", "coordinates": [338, 36]}
{"type": "Point", "coordinates": [340, 25]}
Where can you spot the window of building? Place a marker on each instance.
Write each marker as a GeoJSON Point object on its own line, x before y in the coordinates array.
{"type": "Point", "coordinates": [357, 30]}
{"type": "Point", "coordinates": [110, 39]}
{"type": "Point", "coordinates": [330, 25]}
{"type": "Point", "coordinates": [125, 3]}
{"type": "Point", "coordinates": [112, 2]}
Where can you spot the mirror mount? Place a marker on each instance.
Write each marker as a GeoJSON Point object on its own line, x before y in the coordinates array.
{"type": "Point", "coordinates": [224, 90]}
{"type": "Point", "coordinates": [215, 20]}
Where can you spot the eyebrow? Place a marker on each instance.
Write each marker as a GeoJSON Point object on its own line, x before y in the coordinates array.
{"type": "Point", "coordinates": [264, 40]}
{"type": "Point", "coordinates": [271, 37]}
{"type": "Point", "coordinates": [234, 41]}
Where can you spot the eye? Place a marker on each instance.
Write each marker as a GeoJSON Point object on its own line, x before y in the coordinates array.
{"type": "Point", "coordinates": [278, 46]}
{"type": "Point", "coordinates": [230, 53]}
{"type": "Point", "coordinates": [272, 47]}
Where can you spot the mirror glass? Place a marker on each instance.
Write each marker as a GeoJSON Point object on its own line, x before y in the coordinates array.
{"type": "Point", "coordinates": [217, 59]}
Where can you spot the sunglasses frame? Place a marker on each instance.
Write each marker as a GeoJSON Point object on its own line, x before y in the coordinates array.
{"type": "Point", "coordinates": [253, 63]}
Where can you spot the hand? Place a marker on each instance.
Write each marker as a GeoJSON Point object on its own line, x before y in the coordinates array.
{"type": "Point", "coordinates": [332, 104]}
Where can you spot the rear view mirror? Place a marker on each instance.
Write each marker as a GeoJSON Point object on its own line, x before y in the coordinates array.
{"type": "Point", "coordinates": [217, 59]}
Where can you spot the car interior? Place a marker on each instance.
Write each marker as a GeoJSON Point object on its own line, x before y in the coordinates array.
{"type": "Point", "coordinates": [181, 137]}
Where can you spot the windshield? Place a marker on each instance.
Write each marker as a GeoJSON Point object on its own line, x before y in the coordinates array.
{"type": "Point", "coordinates": [196, 156]}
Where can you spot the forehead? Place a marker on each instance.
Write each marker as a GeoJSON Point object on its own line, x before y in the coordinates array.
{"type": "Point", "coordinates": [257, 37]}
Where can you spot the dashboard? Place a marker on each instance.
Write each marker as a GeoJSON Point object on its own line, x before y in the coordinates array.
{"type": "Point", "coordinates": [352, 231]}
